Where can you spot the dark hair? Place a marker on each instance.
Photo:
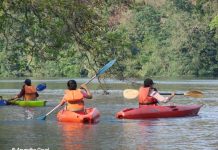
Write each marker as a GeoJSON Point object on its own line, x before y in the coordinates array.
{"type": "Point", "coordinates": [72, 85]}
{"type": "Point", "coordinates": [27, 82]}
{"type": "Point", "coordinates": [148, 82]}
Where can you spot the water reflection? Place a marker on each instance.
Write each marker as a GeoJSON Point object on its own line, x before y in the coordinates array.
{"type": "Point", "coordinates": [74, 135]}
{"type": "Point", "coordinates": [145, 130]}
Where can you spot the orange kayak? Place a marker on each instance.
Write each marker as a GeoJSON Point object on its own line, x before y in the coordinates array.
{"type": "Point", "coordinates": [91, 115]}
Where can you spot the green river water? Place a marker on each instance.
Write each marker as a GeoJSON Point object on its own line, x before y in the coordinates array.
{"type": "Point", "coordinates": [19, 128]}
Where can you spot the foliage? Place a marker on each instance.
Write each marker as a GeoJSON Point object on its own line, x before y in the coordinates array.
{"type": "Point", "coordinates": [75, 38]}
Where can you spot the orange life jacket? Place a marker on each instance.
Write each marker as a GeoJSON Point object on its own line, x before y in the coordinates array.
{"type": "Point", "coordinates": [144, 98]}
{"type": "Point", "coordinates": [74, 99]}
{"type": "Point", "coordinates": [30, 92]}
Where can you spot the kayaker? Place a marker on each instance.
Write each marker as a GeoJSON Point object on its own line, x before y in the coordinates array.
{"type": "Point", "coordinates": [148, 95]}
{"type": "Point", "coordinates": [74, 98]}
{"type": "Point", "coordinates": [28, 91]}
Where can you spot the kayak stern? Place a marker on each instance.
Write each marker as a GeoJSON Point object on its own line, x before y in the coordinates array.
{"type": "Point", "coordinates": [91, 116]}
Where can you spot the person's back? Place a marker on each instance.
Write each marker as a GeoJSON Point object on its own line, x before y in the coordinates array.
{"type": "Point", "coordinates": [74, 98]}
{"type": "Point", "coordinates": [28, 91]}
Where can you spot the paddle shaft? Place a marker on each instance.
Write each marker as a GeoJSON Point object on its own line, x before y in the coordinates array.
{"type": "Point", "coordinates": [1, 98]}
{"type": "Point", "coordinates": [90, 79]}
{"type": "Point", "coordinates": [53, 109]}
{"type": "Point", "coordinates": [196, 94]}
{"type": "Point", "coordinates": [171, 93]}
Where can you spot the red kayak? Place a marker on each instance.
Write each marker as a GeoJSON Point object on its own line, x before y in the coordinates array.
{"type": "Point", "coordinates": [151, 111]}
{"type": "Point", "coordinates": [91, 115]}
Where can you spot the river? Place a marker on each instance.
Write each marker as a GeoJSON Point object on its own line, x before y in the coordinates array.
{"type": "Point", "coordinates": [19, 128]}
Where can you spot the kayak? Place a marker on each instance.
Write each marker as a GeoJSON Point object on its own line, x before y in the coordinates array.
{"type": "Point", "coordinates": [151, 111]}
{"type": "Point", "coordinates": [91, 115]}
{"type": "Point", "coordinates": [36, 103]}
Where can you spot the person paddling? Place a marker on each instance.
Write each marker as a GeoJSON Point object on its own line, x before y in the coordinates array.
{"type": "Point", "coordinates": [28, 91]}
{"type": "Point", "coordinates": [148, 95]}
{"type": "Point", "coordinates": [74, 98]}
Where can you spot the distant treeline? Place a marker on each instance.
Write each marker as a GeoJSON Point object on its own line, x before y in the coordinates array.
{"type": "Point", "coordinates": [75, 38]}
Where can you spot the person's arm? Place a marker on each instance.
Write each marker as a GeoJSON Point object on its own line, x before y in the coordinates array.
{"type": "Point", "coordinates": [62, 102]}
{"type": "Point", "coordinates": [37, 94]}
{"type": "Point", "coordinates": [161, 98]}
{"type": "Point", "coordinates": [88, 93]}
{"type": "Point", "coordinates": [21, 94]}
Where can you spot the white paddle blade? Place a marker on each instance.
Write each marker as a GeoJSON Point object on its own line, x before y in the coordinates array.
{"type": "Point", "coordinates": [130, 93]}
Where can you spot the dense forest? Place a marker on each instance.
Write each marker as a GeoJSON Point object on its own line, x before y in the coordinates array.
{"type": "Point", "coordinates": [75, 38]}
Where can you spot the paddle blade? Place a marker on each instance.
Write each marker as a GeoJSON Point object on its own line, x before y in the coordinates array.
{"type": "Point", "coordinates": [106, 67]}
{"type": "Point", "coordinates": [195, 94]}
{"type": "Point", "coordinates": [41, 87]}
{"type": "Point", "coordinates": [130, 93]}
{"type": "Point", "coordinates": [3, 102]}
{"type": "Point", "coordinates": [41, 118]}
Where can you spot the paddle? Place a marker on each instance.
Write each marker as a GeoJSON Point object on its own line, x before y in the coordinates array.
{"type": "Point", "coordinates": [132, 93]}
{"type": "Point", "coordinates": [41, 87]}
{"type": "Point", "coordinates": [101, 71]}
{"type": "Point", "coordinates": [2, 101]}
{"type": "Point", "coordinates": [44, 117]}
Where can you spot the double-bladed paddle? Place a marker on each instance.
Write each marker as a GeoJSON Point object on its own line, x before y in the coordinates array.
{"type": "Point", "coordinates": [132, 94]}
{"type": "Point", "coordinates": [101, 71]}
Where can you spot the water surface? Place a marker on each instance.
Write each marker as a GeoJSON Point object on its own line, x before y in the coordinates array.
{"type": "Point", "coordinates": [20, 129]}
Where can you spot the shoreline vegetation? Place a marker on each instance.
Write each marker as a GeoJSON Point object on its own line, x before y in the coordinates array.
{"type": "Point", "coordinates": [166, 39]}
